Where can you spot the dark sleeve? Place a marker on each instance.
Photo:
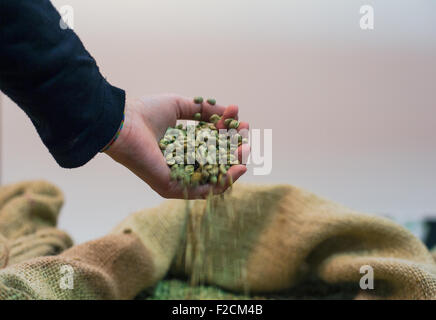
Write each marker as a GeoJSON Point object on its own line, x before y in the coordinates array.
{"type": "Point", "coordinates": [49, 74]}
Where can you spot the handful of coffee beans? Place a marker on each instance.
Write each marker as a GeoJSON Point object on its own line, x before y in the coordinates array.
{"type": "Point", "coordinates": [201, 154]}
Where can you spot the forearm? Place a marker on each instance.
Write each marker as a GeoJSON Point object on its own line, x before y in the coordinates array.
{"type": "Point", "coordinates": [49, 74]}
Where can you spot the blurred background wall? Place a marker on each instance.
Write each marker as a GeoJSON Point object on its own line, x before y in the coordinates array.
{"type": "Point", "coordinates": [353, 112]}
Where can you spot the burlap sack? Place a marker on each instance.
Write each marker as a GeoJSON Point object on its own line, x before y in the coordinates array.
{"type": "Point", "coordinates": [161, 230]}
{"type": "Point", "coordinates": [112, 267]}
{"type": "Point", "coordinates": [44, 242]}
{"type": "Point", "coordinates": [27, 207]}
{"type": "Point", "coordinates": [258, 240]}
{"type": "Point", "coordinates": [4, 252]}
{"type": "Point", "coordinates": [28, 217]}
{"type": "Point", "coordinates": [33, 257]}
{"type": "Point", "coordinates": [265, 239]}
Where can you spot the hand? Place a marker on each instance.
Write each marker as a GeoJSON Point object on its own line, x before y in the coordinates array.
{"type": "Point", "coordinates": [145, 123]}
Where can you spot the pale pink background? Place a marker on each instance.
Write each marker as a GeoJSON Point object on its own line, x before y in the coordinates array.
{"type": "Point", "coordinates": [353, 112]}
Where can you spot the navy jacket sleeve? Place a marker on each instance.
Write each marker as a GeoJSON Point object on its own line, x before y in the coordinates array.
{"type": "Point", "coordinates": [49, 74]}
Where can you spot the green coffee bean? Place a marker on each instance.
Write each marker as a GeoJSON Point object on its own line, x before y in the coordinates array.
{"type": "Point", "coordinates": [223, 169]}
{"type": "Point", "coordinates": [221, 180]}
{"type": "Point", "coordinates": [178, 159]}
{"type": "Point", "coordinates": [214, 171]}
{"type": "Point", "coordinates": [173, 174]}
{"type": "Point", "coordinates": [198, 100]}
{"type": "Point", "coordinates": [227, 121]}
{"type": "Point", "coordinates": [196, 177]}
{"type": "Point", "coordinates": [186, 180]}
{"type": "Point", "coordinates": [189, 168]}
{"type": "Point", "coordinates": [213, 180]}
{"type": "Point", "coordinates": [214, 118]}
{"type": "Point", "coordinates": [209, 159]}
{"type": "Point", "coordinates": [180, 174]}
{"type": "Point", "coordinates": [234, 124]}
{"type": "Point", "coordinates": [197, 116]}
{"type": "Point", "coordinates": [211, 101]}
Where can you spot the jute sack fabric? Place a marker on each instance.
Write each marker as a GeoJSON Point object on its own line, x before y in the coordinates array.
{"type": "Point", "coordinates": [258, 239]}
{"type": "Point", "coordinates": [28, 218]}
{"type": "Point", "coordinates": [112, 267]}
{"type": "Point", "coordinates": [33, 255]}
{"type": "Point", "coordinates": [27, 207]}
{"type": "Point", "coordinates": [265, 239]}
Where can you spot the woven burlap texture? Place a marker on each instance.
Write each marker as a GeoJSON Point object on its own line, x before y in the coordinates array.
{"type": "Point", "coordinates": [256, 240]}
{"type": "Point", "coordinates": [28, 218]}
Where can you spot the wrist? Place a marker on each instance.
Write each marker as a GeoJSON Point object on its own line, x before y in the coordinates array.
{"type": "Point", "coordinates": [115, 147]}
{"type": "Point", "coordinates": [116, 136]}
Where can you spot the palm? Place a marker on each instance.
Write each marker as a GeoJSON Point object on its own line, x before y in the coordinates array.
{"type": "Point", "coordinates": [146, 122]}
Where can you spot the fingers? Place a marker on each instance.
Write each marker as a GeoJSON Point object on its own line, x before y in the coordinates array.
{"type": "Point", "coordinates": [208, 110]}
{"type": "Point", "coordinates": [176, 191]}
{"type": "Point", "coordinates": [243, 126]}
{"type": "Point", "coordinates": [186, 108]}
{"type": "Point", "coordinates": [230, 112]}
{"type": "Point", "coordinates": [242, 153]}
{"type": "Point", "coordinates": [233, 174]}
